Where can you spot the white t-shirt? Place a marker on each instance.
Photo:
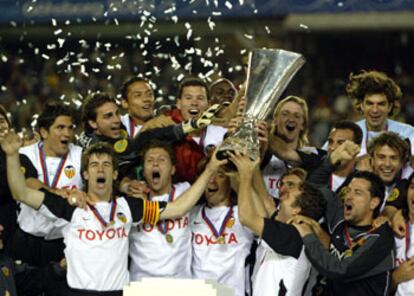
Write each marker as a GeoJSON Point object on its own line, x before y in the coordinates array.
{"type": "Point", "coordinates": [130, 126]}
{"type": "Point", "coordinates": [64, 173]}
{"type": "Point", "coordinates": [97, 255]}
{"type": "Point", "coordinates": [276, 273]}
{"type": "Point", "coordinates": [163, 250]}
{"type": "Point", "coordinates": [401, 255]}
{"type": "Point", "coordinates": [223, 261]}
{"type": "Point", "coordinates": [406, 131]}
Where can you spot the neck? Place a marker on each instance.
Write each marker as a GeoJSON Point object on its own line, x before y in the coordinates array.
{"type": "Point", "coordinates": [165, 190]}
{"type": "Point", "coordinates": [136, 120]}
{"type": "Point", "coordinates": [378, 128]}
{"type": "Point", "coordinates": [49, 152]}
{"type": "Point", "coordinates": [364, 222]}
{"type": "Point", "coordinates": [102, 197]}
{"type": "Point", "coordinates": [223, 203]}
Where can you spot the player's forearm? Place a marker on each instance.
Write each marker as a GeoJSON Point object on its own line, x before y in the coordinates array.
{"type": "Point", "coordinates": [17, 184]}
{"type": "Point", "coordinates": [280, 149]}
{"type": "Point", "coordinates": [189, 198]}
{"type": "Point", "coordinates": [262, 206]}
{"type": "Point", "coordinates": [247, 211]}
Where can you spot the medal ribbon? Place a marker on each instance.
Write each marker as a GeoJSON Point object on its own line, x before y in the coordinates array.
{"type": "Point", "coordinates": [162, 226]}
{"type": "Point", "coordinates": [44, 167]}
{"type": "Point", "coordinates": [407, 238]}
{"type": "Point", "coordinates": [360, 237]}
{"type": "Point", "coordinates": [99, 216]}
{"type": "Point", "coordinates": [210, 225]}
{"type": "Point", "coordinates": [131, 127]}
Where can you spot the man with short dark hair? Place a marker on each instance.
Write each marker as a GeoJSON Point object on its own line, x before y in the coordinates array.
{"type": "Point", "coordinates": [360, 256]}
{"type": "Point", "coordinates": [137, 97]}
{"type": "Point", "coordinates": [192, 105]}
{"type": "Point", "coordinates": [283, 269]}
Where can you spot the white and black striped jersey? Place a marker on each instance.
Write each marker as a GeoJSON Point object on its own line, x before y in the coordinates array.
{"type": "Point", "coordinates": [404, 250]}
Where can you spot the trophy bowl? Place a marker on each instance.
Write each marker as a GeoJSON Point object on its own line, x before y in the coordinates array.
{"type": "Point", "coordinates": [269, 73]}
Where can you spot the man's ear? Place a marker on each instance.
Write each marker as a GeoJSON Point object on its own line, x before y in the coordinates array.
{"type": "Point", "coordinates": [85, 175]}
{"type": "Point", "coordinates": [374, 203]}
{"type": "Point", "coordinates": [296, 210]}
{"type": "Point", "coordinates": [173, 170]}
{"type": "Point", "coordinates": [178, 103]}
{"type": "Point", "coordinates": [93, 124]}
{"type": "Point", "coordinates": [115, 175]}
{"type": "Point", "coordinates": [124, 103]}
{"type": "Point", "coordinates": [43, 133]}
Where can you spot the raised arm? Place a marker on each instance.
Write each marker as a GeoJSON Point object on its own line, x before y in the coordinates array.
{"type": "Point", "coordinates": [189, 198]}
{"type": "Point", "coordinates": [17, 183]}
{"type": "Point", "coordinates": [248, 214]}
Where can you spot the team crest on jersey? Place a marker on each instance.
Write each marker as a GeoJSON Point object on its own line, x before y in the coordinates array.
{"type": "Point", "coordinates": [121, 217]}
{"type": "Point", "coordinates": [230, 223]}
{"type": "Point", "coordinates": [120, 145]}
{"type": "Point", "coordinates": [23, 169]}
{"type": "Point", "coordinates": [6, 271]}
{"type": "Point", "coordinates": [395, 193]}
{"type": "Point", "coordinates": [70, 171]}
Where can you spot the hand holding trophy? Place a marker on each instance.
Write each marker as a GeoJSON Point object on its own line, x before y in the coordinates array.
{"type": "Point", "coordinates": [269, 73]}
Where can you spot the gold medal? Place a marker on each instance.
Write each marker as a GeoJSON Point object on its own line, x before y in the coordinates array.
{"type": "Point", "coordinates": [169, 238]}
{"type": "Point", "coordinates": [7, 293]}
{"type": "Point", "coordinates": [5, 271]}
{"type": "Point", "coordinates": [220, 240]}
{"type": "Point", "coordinates": [230, 223]}
{"type": "Point", "coordinates": [348, 253]}
{"type": "Point", "coordinates": [111, 223]}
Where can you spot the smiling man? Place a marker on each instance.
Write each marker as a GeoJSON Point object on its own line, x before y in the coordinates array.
{"type": "Point", "coordinates": [377, 97]}
{"type": "Point", "coordinates": [138, 99]}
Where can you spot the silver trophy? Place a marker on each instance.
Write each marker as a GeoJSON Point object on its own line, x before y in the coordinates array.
{"type": "Point", "coordinates": [269, 73]}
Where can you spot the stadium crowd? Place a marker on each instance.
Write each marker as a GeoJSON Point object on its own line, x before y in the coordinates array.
{"type": "Point", "coordinates": [140, 191]}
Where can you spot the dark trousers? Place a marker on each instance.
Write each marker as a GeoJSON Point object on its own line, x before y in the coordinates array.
{"type": "Point", "coordinates": [34, 250]}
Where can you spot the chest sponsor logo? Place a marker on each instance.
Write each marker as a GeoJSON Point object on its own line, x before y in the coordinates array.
{"type": "Point", "coordinates": [208, 240]}
{"type": "Point", "coordinates": [272, 182]}
{"type": "Point", "coordinates": [165, 226]}
{"type": "Point", "coordinates": [101, 235]}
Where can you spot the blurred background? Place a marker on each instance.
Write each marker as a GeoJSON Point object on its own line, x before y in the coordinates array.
{"type": "Point", "coordinates": [64, 49]}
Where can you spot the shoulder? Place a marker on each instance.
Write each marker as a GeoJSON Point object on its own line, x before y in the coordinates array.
{"type": "Point", "coordinates": [400, 127]}
{"type": "Point", "coordinates": [29, 150]}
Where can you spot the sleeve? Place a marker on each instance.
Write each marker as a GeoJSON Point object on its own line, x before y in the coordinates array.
{"type": "Point", "coordinates": [145, 211]}
{"type": "Point", "coordinates": [282, 238]}
{"type": "Point", "coordinates": [322, 173]}
{"type": "Point", "coordinates": [359, 263]}
{"type": "Point", "coordinates": [28, 167]}
{"type": "Point", "coordinates": [172, 133]}
{"type": "Point", "coordinates": [311, 161]}
{"type": "Point", "coordinates": [58, 206]}
{"type": "Point", "coordinates": [398, 196]}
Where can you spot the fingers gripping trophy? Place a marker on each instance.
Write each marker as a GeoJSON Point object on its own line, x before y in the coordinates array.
{"type": "Point", "coordinates": [269, 73]}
